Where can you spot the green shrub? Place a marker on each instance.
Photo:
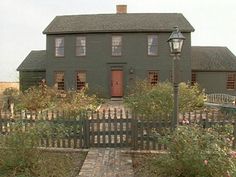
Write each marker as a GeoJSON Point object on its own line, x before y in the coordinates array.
{"type": "Point", "coordinates": [74, 102]}
{"type": "Point", "coordinates": [43, 97]}
{"type": "Point", "coordinates": [152, 101]}
{"type": "Point", "coordinates": [194, 152]}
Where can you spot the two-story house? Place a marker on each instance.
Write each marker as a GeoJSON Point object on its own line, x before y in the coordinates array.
{"type": "Point", "coordinates": [108, 52]}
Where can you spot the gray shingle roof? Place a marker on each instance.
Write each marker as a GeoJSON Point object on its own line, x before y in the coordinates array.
{"type": "Point", "coordinates": [36, 60]}
{"type": "Point", "coordinates": [213, 59]}
{"type": "Point", "coordinates": [131, 22]}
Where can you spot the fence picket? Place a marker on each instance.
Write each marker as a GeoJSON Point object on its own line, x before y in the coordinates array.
{"type": "Point", "coordinates": [127, 134]}
{"type": "Point", "coordinates": [104, 128]}
{"type": "Point", "coordinates": [115, 128]}
{"type": "Point", "coordinates": [121, 128]}
{"type": "Point", "coordinates": [109, 128]}
{"type": "Point", "coordinates": [98, 129]}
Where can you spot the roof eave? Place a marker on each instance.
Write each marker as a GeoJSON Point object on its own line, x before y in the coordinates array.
{"type": "Point", "coordinates": [117, 31]}
{"type": "Point", "coordinates": [202, 70]}
{"type": "Point", "coordinates": [20, 69]}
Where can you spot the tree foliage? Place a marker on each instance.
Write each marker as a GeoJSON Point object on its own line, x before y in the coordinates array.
{"type": "Point", "coordinates": [150, 100]}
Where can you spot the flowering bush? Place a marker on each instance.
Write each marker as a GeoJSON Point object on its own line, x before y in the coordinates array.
{"type": "Point", "coordinates": [195, 152]}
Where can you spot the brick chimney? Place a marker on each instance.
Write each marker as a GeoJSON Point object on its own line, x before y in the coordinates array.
{"type": "Point", "coordinates": [121, 9]}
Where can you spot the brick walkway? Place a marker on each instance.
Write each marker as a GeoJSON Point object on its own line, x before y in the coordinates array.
{"type": "Point", "coordinates": [107, 162]}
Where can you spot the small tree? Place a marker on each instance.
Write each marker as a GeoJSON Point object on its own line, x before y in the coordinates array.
{"type": "Point", "coordinates": [150, 100]}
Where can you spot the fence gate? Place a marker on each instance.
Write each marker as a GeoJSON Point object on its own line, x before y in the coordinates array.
{"type": "Point", "coordinates": [110, 129]}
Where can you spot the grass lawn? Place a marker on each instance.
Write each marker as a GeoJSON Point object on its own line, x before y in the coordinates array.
{"type": "Point", "coordinates": [144, 165]}
{"type": "Point", "coordinates": [49, 164]}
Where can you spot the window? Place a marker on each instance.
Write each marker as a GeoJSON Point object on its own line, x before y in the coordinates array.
{"type": "Point", "coordinates": [153, 77]}
{"type": "Point", "coordinates": [80, 46]}
{"type": "Point", "coordinates": [152, 45]}
{"type": "Point", "coordinates": [80, 80]}
{"type": "Point", "coordinates": [230, 81]}
{"type": "Point", "coordinates": [59, 80]}
{"type": "Point", "coordinates": [116, 45]}
{"type": "Point", "coordinates": [59, 47]}
{"type": "Point", "coordinates": [194, 78]}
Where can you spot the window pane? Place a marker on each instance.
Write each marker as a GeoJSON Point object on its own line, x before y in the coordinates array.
{"type": "Point", "coordinates": [230, 81]}
{"type": "Point", "coordinates": [116, 45]}
{"type": "Point", "coordinates": [59, 47]}
{"type": "Point", "coordinates": [59, 80]}
{"type": "Point", "coordinates": [152, 50]}
{"type": "Point", "coordinates": [153, 77]}
{"type": "Point", "coordinates": [80, 46]}
{"type": "Point", "coordinates": [80, 51]}
{"type": "Point", "coordinates": [59, 42]}
{"type": "Point", "coordinates": [152, 44]}
{"type": "Point", "coordinates": [81, 80]}
{"type": "Point", "coordinates": [80, 41]}
{"type": "Point", "coordinates": [194, 78]}
{"type": "Point", "coordinates": [59, 52]}
{"type": "Point", "coordinates": [116, 50]}
{"type": "Point", "coordinates": [152, 40]}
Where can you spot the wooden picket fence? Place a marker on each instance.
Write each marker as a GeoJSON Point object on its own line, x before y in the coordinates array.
{"type": "Point", "coordinates": [109, 128]}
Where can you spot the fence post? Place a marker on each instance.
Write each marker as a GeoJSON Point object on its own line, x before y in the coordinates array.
{"type": "Point", "coordinates": [86, 132]}
{"type": "Point", "coordinates": [134, 131]}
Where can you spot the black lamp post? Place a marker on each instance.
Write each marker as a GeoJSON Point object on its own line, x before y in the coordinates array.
{"type": "Point", "coordinates": [176, 41]}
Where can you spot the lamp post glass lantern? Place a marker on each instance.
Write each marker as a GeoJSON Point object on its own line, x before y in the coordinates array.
{"type": "Point", "coordinates": [176, 41]}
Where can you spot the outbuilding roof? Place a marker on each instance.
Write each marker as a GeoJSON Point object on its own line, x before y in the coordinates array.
{"type": "Point", "coordinates": [130, 22]}
{"type": "Point", "coordinates": [35, 61]}
{"type": "Point", "coordinates": [213, 59]}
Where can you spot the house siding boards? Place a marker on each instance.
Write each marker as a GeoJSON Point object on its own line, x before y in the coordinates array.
{"type": "Point", "coordinates": [212, 65]}
{"type": "Point", "coordinates": [99, 60]}
{"type": "Point", "coordinates": [30, 78]}
{"type": "Point", "coordinates": [214, 82]}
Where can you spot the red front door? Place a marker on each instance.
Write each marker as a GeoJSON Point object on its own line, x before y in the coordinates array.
{"type": "Point", "coordinates": [116, 83]}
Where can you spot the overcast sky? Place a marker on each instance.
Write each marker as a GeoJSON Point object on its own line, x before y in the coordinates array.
{"type": "Point", "coordinates": [22, 23]}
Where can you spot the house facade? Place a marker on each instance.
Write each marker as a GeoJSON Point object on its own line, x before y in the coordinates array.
{"type": "Point", "coordinates": [107, 52]}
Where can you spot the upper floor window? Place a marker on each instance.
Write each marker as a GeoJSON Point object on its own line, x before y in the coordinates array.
{"type": "Point", "coordinates": [152, 45]}
{"type": "Point", "coordinates": [194, 78]}
{"type": "Point", "coordinates": [59, 80]}
{"type": "Point", "coordinates": [230, 81]}
{"type": "Point", "coordinates": [153, 77]}
{"type": "Point", "coordinates": [59, 47]}
{"type": "Point", "coordinates": [80, 80]}
{"type": "Point", "coordinates": [116, 45]}
{"type": "Point", "coordinates": [80, 46]}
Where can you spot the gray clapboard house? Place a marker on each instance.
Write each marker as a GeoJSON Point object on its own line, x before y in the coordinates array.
{"type": "Point", "coordinates": [108, 52]}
